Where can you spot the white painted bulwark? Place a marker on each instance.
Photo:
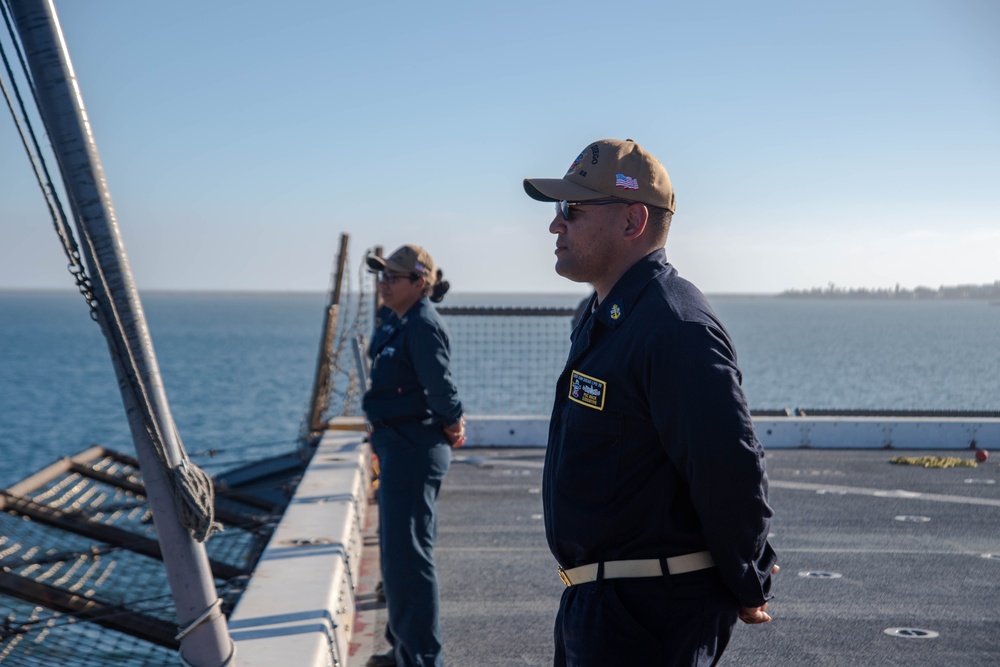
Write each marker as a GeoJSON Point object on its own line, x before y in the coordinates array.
{"type": "Point", "coordinates": [299, 605]}
{"type": "Point", "coordinates": [506, 431]}
{"type": "Point", "coordinates": [878, 432]}
{"type": "Point", "coordinates": [787, 432]}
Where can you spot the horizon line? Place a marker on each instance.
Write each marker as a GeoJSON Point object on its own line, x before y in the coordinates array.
{"type": "Point", "coordinates": [297, 292]}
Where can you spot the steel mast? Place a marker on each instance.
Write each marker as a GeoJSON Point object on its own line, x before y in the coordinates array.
{"type": "Point", "coordinates": [205, 641]}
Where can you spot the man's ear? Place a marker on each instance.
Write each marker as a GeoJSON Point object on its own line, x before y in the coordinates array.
{"type": "Point", "coordinates": [635, 223]}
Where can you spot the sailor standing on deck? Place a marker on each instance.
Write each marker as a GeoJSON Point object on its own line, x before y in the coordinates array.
{"type": "Point", "coordinates": [416, 418]}
{"type": "Point", "coordinates": [654, 492]}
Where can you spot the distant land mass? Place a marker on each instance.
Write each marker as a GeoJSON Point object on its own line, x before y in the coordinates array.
{"type": "Point", "coordinates": [989, 291]}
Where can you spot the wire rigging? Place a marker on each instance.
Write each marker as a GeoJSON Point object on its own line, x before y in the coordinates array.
{"type": "Point", "coordinates": [37, 159]}
{"type": "Point", "coordinates": [192, 488]}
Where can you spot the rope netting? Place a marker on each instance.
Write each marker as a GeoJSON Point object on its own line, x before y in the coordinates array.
{"type": "Point", "coordinates": [934, 461]}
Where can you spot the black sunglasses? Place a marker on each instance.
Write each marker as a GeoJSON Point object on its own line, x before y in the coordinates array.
{"type": "Point", "coordinates": [563, 206]}
{"type": "Point", "coordinates": [391, 278]}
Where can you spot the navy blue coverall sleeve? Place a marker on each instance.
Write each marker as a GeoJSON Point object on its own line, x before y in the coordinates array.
{"type": "Point", "coordinates": [431, 359]}
{"type": "Point", "coordinates": [705, 426]}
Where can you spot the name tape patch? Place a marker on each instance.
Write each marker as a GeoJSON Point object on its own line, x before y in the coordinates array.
{"type": "Point", "coordinates": [587, 390]}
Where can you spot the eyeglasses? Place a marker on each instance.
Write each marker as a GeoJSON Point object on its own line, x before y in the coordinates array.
{"type": "Point", "coordinates": [391, 278]}
{"type": "Point", "coordinates": [563, 206]}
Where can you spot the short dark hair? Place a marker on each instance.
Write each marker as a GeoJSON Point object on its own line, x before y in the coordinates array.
{"type": "Point", "coordinates": [658, 223]}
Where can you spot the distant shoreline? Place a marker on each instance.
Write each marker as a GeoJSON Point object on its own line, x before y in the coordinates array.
{"type": "Point", "coordinates": [986, 292]}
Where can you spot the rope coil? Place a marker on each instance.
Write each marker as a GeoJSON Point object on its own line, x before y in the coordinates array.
{"type": "Point", "coordinates": [934, 461]}
{"type": "Point", "coordinates": [194, 497]}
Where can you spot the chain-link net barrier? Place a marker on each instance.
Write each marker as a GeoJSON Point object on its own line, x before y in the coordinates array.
{"type": "Point", "coordinates": [505, 361]}
{"type": "Point", "coordinates": [505, 358]}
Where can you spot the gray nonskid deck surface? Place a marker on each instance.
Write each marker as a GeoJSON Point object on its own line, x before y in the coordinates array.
{"type": "Point", "coordinates": [499, 588]}
{"type": "Point", "coordinates": [905, 546]}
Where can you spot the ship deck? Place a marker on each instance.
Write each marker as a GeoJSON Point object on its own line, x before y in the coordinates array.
{"type": "Point", "coordinates": [865, 547]}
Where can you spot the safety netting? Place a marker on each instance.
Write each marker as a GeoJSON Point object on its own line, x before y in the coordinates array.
{"type": "Point", "coordinates": [505, 359]}
{"type": "Point", "coordinates": [82, 581]}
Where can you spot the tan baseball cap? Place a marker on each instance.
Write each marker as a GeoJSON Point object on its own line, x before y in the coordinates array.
{"type": "Point", "coordinates": [609, 168]}
{"type": "Point", "coordinates": [405, 259]}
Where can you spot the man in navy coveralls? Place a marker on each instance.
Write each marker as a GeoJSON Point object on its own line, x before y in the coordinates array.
{"type": "Point", "coordinates": [654, 492]}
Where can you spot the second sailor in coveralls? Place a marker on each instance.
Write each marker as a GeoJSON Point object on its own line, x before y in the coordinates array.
{"type": "Point", "coordinates": [416, 417]}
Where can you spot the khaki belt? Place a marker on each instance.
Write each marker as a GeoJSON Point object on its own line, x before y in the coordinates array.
{"type": "Point", "coordinates": [630, 569]}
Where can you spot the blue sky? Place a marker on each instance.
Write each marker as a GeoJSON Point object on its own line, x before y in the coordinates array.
{"type": "Point", "coordinates": [855, 142]}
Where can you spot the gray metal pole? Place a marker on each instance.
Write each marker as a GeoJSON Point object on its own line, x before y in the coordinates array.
{"type": "Point", "coordinates": [65, 118]}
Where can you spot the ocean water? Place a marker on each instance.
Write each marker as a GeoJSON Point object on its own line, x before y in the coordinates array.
{"type": "Point", "coordinates": [239, 368]}
{"type": "Point", "coordinates": [238, 371]}
{"type": "Point", "coordinates": [866, 354]}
